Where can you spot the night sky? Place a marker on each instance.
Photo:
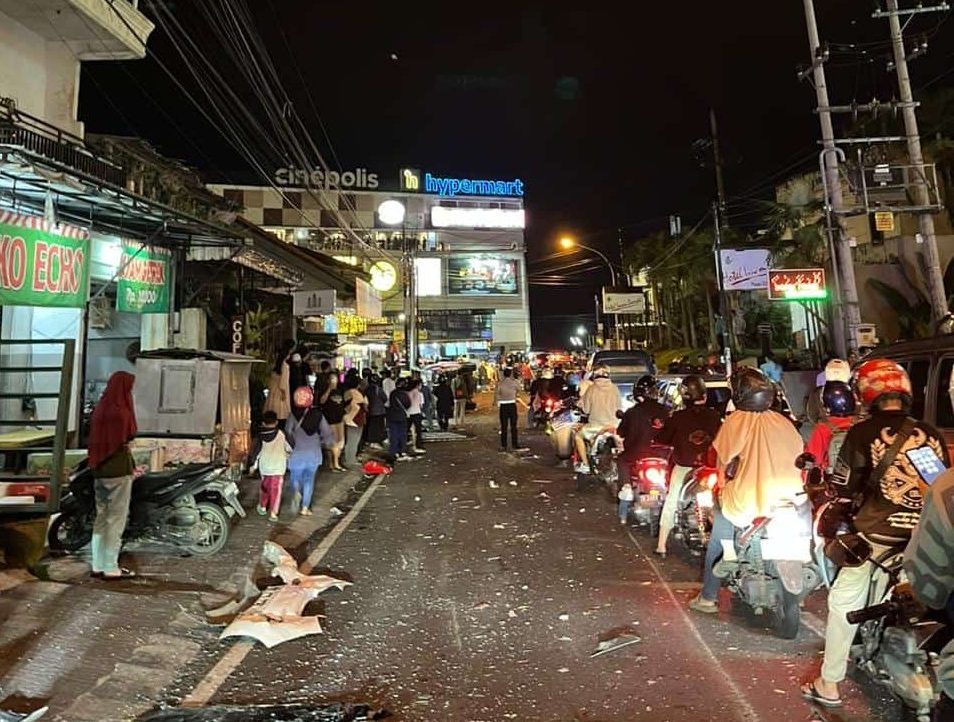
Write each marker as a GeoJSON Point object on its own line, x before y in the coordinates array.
{"type": "Point", "coordinates": [594, 110]}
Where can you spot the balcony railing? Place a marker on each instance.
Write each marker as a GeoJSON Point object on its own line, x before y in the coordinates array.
{"type": "Point", "coordinates": [37, 136]}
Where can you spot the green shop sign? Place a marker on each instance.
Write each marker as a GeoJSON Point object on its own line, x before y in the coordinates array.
{"type": "Point", "coordinates": [42, 263]}
{"type": "Point", "coordinates": [143, 280]}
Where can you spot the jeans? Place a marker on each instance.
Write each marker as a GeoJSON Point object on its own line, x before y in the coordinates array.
{"type": "Point", "coordinates": [848, 593]}
{"type": "Point", "coordinates": [270, 493]}
{"type": "Point", "coordinates": [397, 437]}
{"type": "Point", "coordinates": [302, 477]}
{"type": "Point", "coordinates": [417, 421]}
{"type": "Point", "coordinates": [353, 436]}
{"type": "Point", "coordinates": [722, 529]}
{"type": "Point", "coordinates": [112, 511]}
{"type": "Point", "coordinates": [508, 417]}
{"type": "Point", "coordinates": [624, 509]}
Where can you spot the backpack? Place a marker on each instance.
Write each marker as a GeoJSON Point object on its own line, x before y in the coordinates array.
{"type": "Point", "coordinates": [834, 446]}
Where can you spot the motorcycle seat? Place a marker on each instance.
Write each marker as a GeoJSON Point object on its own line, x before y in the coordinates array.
{"type": "Point", "coordinates": [154, 481]}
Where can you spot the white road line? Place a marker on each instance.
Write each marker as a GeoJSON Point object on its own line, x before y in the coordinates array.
{"type": "Point", "coordinates": [746, 712]}
{"type": "Point", "coordinates": [215, 678]}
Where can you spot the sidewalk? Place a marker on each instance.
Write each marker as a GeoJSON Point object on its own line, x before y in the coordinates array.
{"type": "Point", "coordinates": [95, 650]}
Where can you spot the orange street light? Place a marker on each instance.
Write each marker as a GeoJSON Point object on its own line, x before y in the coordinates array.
{"type": "Point", "coordinates": [567, 242]}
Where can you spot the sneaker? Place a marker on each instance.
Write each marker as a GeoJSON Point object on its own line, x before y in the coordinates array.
{"type": "Point", "coordinates": [418, 452]}
{"type": "Point", "coordinates": [581, 468]}
{"type": "Point", "coordinates": [402, 457]}
{"type": "Point", "coordinates": [305, 511]}
{"type": "Point", "coordinates": [260, 510]}
{"type": "Point", "coordinates": [706, 606]}
{"type": "Point", "coordinates": [623, 522]}
{"type": "Point", "coordinates": [273, 517]}
{"type": "Point", "coordinates": [522, 448]}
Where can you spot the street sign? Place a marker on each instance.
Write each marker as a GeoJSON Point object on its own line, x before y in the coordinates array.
{"type": "Point", "coordinates": [884, 221]}
{"type": "Point", "coordinates": [623, 301]}
{"type": "Point", "coordinates": [313, 303]}
{"type": "Point", "coordinates": [238, 334]}
{"type": "Point", "coordinates": [797, 284]}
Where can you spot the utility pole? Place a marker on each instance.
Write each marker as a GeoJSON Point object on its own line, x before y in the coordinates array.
{"type": "Point", "coordinates": [717, 158]}
{"type": "Point", "coordinates": [935, 278]}
{"type": "Point", "coordinates": [410, 301]}
{"type": "Point", "coordinates": [842, 263]}
{"type": "Point", "coordinates": [717, 248]}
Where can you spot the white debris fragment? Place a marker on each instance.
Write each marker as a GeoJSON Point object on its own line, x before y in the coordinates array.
{"type": "Point", "coordinates": [513, 483]}
{"type": "Point", "coordinates": [563, 670]}
{"type": "Point", "coordinates": [564, 617]}
{"type": "Point", "coordinates": [494, 484]}
{"type": "Point", "coordinates": [417, 498]}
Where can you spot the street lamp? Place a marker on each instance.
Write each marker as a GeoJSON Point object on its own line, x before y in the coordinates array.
{"type": "Point", "coordinates": [581, 331]}
{"type": "Point", "coordinates": [569, 243]}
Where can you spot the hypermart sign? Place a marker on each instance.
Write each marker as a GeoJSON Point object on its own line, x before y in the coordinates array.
{"type": "Point", "coordinates": [143, 285]}
{"type": "Point", "coordinates": [413, 180]}
{"type": "Point", "coordinates": [42, 263]}
{"type": "Point", "coordinates": [797, 284]}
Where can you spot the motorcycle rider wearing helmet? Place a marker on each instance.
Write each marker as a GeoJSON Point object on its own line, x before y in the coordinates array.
{"type": "Point", "coordinates": [756, 450]}
{"type": "Point", "coordinates": [599, 403]}
{"type": "Point", "coordinates": [929, 564]}
{"type": "Point", "coordinates": [838, 400]}
{"type": "Point", "coordinates": [873, 467]}
{"type": "Point", "coordinates": [690, 431]}
{"type": "Point", "coordinates": [640, 424]}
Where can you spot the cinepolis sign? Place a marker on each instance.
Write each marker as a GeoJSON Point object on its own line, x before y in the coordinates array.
{"type": "Point", "coordinates": [359, 178]}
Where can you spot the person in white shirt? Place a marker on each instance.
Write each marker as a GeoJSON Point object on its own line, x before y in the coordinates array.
{"type": "Point", "coordinates": [415, 415]}
{"type": "Point", "coordinates": [387, 384]}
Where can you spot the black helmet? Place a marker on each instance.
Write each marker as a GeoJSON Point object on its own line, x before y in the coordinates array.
{"type": "Point", "coordinates": [838, 399]}
{"type": "Point", "coordinates": [645, 387]}
{"type": "Point", "coordinates": [692, 389]}
{"type": "Point", "coordinates": [752, 390]}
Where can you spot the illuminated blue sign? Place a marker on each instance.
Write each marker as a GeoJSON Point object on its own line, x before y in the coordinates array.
{"type": "Point", "coordinates": [468, 187]}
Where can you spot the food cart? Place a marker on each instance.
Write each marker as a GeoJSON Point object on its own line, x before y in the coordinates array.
{"type": "Point", "coordinates": [193, 407]}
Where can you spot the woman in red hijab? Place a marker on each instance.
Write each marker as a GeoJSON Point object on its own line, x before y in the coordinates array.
{"type": "Point", "coordinates": [112, 426]}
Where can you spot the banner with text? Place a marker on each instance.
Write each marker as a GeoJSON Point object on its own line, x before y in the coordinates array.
{"type": "Point", "coordinates": [745, 270]}
{"type": "Point", "coordinates": [143, 285]}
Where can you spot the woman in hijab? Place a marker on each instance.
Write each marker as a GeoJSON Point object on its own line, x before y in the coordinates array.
{"type": "Point", "coordinates": [112, 426]}
{"type": "Point", "coordinates": [305, 430]}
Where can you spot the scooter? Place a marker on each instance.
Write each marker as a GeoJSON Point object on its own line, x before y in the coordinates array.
{"type": "Point", "coordinates": [189, 508]}
{"type": "Point", "coordinates": [562, 421]}
{"type": "Point", "coordinates": [769, 565]}
{"type": "Point", "coordinates": [649, 477]}
{"type": "Point", "coordinates": [693, 525]}
{"type": "Point", "coordinates": [898, 639]}
{"type": "Point", "coordinates": [604, 470]}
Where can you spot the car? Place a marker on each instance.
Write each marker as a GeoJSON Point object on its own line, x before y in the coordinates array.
{"type": "Point", "coordinates": [930, 366]}
{"type": "Point", "coordinates": [626, 368]}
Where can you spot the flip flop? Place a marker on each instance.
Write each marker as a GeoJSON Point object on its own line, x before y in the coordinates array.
{"type": "Point", "coordinates": [123, 574]}
{"type": "Point", "coordinates": [811, 693]}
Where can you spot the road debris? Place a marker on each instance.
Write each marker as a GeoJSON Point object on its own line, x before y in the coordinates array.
{"type": "Point", "coordinates": [6, 716]}
{"type": "Point", "coordinates": [564, 617]}
{"type": "Point", "coordinates": [619, 640]}
{"type": "Point", "coordinates": [270, 713]}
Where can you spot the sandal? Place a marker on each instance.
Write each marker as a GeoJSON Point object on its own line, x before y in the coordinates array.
{"type": "Point", "coordinates": [811, 693]}
{"type": "Point", "coordinates": [123, 574]}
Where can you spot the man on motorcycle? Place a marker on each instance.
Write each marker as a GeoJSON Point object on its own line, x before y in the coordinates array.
{"type": "Point", "coordinates": [929, 564]}
{"type": "Point", "coordinates": [599, 403]}
{"type": "Point", "coordinates": [640, 425]}
{"type": "Point", "coordinates": [690, 431]}
{"type": "Point", "coordinates": [756, 449]}
{"type": "Point", "coordinates": [875, 476]}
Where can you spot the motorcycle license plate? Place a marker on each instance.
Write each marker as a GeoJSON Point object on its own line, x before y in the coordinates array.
{"type": "Point", "coordinates": [704, 499]}
{"type": "Point", "coordinates": [791, 549]}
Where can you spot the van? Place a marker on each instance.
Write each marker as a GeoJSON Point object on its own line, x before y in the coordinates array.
{"type": "Point", "coordinates": [930, 365]}
{"type": "Point", "coordinates": [626, 368]}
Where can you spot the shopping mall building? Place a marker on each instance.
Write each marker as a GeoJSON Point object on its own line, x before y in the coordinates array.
{"type": "Point", "coordinates": [466, 238]}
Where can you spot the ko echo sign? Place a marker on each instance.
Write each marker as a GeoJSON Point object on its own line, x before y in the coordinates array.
{"type": "Point", "coordinates": [313, 303]}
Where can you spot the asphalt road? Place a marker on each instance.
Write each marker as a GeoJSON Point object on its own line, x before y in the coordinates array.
{"type": "Point", "coordinates": [482, 584]}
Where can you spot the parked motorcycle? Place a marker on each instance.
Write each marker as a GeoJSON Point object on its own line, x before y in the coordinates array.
{"type": "Point", "coordinates": [769, 565]}
{"type": "Point", "coordinates": [898, 639]}
{"type": "Point", "coordinates": [189, 508]}
{"type": "Point", "coordinates": [693, 525]}
{"type": "Point", "coordinates": [649, 477]}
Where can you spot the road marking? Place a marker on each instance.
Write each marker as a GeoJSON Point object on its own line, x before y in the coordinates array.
{"type": "Point", "coordinates": [215, 678]}
{"type": "Point", "coordinates": [746, 711]}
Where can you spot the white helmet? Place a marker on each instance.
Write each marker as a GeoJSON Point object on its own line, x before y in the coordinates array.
{"type": "Point", "coordinates": [547, 373]}
{"type": "Point", "coordinates": [838, 370]}
{"type": "Point", "coordinates": [601, 372]}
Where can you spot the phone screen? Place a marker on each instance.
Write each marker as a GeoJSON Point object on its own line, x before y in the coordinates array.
{"type": "Point", "coordinates": [926, 463]}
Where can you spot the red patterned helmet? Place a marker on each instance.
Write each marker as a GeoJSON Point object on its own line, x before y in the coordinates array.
{"type": "Point", "coordinates": [303, 397]}
{"type": "Point", "coordinates": [880, 377]}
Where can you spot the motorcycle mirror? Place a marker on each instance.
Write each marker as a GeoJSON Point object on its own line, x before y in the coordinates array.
{"type": "Point", "coordinates": [619, 414]}
{"type": "Point", "coordinates": [848, 550]}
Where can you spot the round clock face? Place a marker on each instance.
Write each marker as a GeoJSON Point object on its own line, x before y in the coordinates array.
{"type": "Point", "coordinates": [383, 276]}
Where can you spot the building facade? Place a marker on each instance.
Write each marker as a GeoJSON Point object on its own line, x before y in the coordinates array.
{"type": "Point", "coordinates": [465, 238]}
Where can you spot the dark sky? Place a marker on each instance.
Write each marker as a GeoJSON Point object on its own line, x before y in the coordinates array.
{"type": "Point", "coordinates": [595, 109]}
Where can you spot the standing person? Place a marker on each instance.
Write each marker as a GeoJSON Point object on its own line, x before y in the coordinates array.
{"type": "Point", "coordinates": [331, 400]}
{"type": "Point", "coordinates": [399, 404]}
{"type": "Point", "coordinates": [387, 384]}
{"type": "Point", "coordinates": [771, 368]}
{"type": "Point", "coordinates": [376, 429]}
{"type": "Point", "coordinates": [444, 401]}
{"type": "Point", "coordinates": [297, 372]}
{"type": "Point", "coordinates": [873, 466]}
{"type": "Point", "coordinates": [279, 393]}
{"type": "Point", "coordinates": [269, 457]}
{"type": "Point", "coordinates": [356, 407]}
{"type": "Point", "coordinates": [416, 415]}
{"type": "Point", "coordinates": [690, 431]}
{"type": "Point", "coordinates": [306, 428]}
{"type": "Point", "coordinates": [112, 427]}
{"type": "Point", "coordinates": [459, 387]}
{"type": "Point", "coordinates": [505, 396]}
{"type": "Point", "coordinates": [429, 411]}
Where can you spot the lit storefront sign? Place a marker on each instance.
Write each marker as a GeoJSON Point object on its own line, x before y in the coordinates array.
{"type": "Point", "coordinates": [42, 263]}
{"type": "Point", "coordinates": [797, 284]}
{"type": "Point", "coordinates": [358, 178]}
{"type": "Point", "coordinates": [443, 217]}
{"type": "Point", "coordinates": [427, 276]}
{"type": "Point", "coordinates": [481, 276]}
{"type": "Point", "coordinates": [143, 285]}
{"type": "Point", "coordinates": [472, 187]}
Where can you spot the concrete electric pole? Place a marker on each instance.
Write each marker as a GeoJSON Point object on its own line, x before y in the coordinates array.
{"type": "Point", "coordinates": [935, 277]}
{"type": "Point", "coordinates": [842, 263]}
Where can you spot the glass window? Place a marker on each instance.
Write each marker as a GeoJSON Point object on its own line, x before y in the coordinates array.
{"type": "Point", "coordinates": [945, 400]}
{"type": "Point", "coordinates": [918, 371]}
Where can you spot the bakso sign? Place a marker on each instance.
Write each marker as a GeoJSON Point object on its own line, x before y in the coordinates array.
{"type": "Point", "coordinates": [797, 284]}
{"type": "Point", "coordinates": [143, 285]}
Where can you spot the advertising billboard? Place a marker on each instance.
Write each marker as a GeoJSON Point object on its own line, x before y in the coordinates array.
{"type": "Point", "coordinates": [745, 270]}
{"type": "Point", "coordinates": [479, 275]}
